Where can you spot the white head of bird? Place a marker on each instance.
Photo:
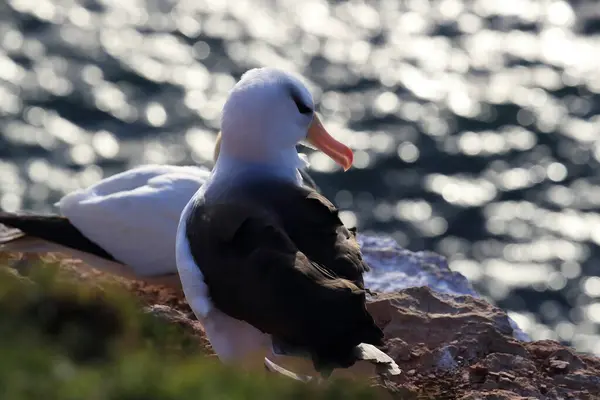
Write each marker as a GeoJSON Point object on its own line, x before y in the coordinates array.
{"type": "Point", "coordinates": [268, 112]}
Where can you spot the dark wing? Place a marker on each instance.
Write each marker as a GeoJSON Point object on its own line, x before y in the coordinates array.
{"type": "Point", "coordinates": [313, 224]}
{"type": "Point", "coordinates": [256, 273]}
{"type": "Point", "coordinates": [55, 229]}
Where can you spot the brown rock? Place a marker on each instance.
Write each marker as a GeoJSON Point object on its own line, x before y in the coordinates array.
{"type": "Point", "coordinates": [558, 366]}
{"type": "Point", "coordinates": [398, 349]}
{"type": "Point", "coordinates": [496, 395]}
{"type": "Point", "coordinates": [568, 355]}
{"type": "Point", "coordinates": [478, 373]}
{"type": "Point", "coordinates": [495, 365]}
{"type": "Point", "coordinates": [490, 384]}
{"type": "Point", "coordinates": [498, 362]}
{"type": "Point", "coordinates": [507, 375]}
{"type": "Point", "coordinates": [579, 381]}
{"type": "Point", "coordinates": [452, 347]}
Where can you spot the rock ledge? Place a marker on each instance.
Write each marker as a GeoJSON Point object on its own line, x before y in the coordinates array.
{"type": "Point", "coordinates": [450, 343]}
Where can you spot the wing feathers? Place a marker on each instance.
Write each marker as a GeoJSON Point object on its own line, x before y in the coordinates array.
{"type": "Point", "coordinates": [313, 224]}
{"type": "Point", "coordinates": [257, 273]}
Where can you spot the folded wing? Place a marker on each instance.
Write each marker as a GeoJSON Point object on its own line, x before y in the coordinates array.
{"type": "Point", "coordinates": [260, 267]}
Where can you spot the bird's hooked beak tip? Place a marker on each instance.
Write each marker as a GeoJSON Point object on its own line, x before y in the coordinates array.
{"type": "Point", "coordinates": [320, 139]}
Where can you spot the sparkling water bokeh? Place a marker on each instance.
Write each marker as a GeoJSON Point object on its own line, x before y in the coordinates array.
{"type": "Point", "coordinates": [475, 124]}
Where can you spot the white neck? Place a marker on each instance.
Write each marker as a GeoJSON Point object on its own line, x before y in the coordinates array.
{"type": "Point", "coordinates": [229, 169]}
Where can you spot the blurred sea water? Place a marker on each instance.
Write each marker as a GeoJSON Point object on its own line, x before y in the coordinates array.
{"type": "Point", "coordinates": [475, 124]}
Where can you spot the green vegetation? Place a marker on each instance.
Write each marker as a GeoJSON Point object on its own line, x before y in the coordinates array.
{"type": "Point", "coordinates": [66, 340]}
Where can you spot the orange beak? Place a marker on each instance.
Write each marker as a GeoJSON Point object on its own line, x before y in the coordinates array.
{"type": "Point", "coordinates": [322, 140]}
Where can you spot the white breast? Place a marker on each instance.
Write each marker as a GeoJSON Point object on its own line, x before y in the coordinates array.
{"type": "Point", "coordinates": [192, 279]}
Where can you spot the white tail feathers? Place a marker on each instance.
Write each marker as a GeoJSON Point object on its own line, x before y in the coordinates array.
{"type": "Point", "coordinates": [384, 363]}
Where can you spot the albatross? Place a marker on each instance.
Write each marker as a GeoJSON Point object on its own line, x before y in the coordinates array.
{"type": "Point", "coordinates": [124, 224]}
{"type": "Point", "coordinates": [265, 262]}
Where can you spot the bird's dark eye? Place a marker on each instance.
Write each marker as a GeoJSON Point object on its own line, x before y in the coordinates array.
{"type": "Point", "coordinates": [303, 108]}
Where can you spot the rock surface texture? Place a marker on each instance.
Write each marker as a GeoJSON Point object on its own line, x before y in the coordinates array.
{"type": "Point", "coordinates": [450, 343]}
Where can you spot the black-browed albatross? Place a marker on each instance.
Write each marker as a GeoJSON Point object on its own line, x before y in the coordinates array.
{"type": "Point", "coordinates": [265, 263]}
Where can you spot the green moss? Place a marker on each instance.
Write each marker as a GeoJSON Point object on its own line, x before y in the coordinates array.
{"type": "Point", "coordinates": [66, 340]}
